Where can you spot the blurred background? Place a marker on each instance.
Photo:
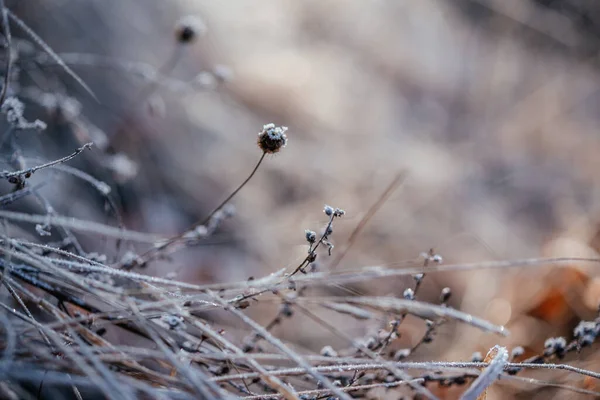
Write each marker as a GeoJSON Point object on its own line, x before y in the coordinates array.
{"type": "Point", "coordinates": [491, 107]}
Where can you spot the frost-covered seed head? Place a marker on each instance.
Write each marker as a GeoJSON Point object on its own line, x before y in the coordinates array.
{"type": "Point", "coordinates": [585, 328]}
{"type": "Point", "coordinates": [401, 354]}
{"type": "Point", "coordinates": [328, 351]}
{"type": "Point", "coordinates": [272, 138]}
{"type": "Point", "coordinates": [13, 108]}
{"type": "Point", "coordinates": [328, 210]}
{"type": "Point", "coordinates": [311, 236]}
{"type": "Point", "coordinates": [445, 295]}
{"type": "Point", "coordinates": [409, 294]}
{"type": "Point", "coordinates": [517, 352]}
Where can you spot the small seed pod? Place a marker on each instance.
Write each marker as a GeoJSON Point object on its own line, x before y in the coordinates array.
{"type": "Point", "coordinates": [445, 295]}
{"type": "Point", "coordinates": [311, 236]}
{"type": "Point", "coordinates": [188, 29]}
{"type": "Point", "coordinates": [272, 138]}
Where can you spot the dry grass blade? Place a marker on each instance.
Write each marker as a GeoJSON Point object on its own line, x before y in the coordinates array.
{"type": "Point", "coordinates": [390, 366]}
{"type": "Point", "coordinates": [497, 358]}
{"type": "Point", "coordinates": [356, 312]}
{"type": "Point", "coordinates": [271, 380]}
{"type": "Point", "coordinates": [547, 384]}
{"type": "Point", "coordinates": [81, 226]}
{"type": "Point", "coordinates": [49, 164]}
{"type": "Point", "coordinates": [203, 387]}
{"type": "Point", "coordinates": [417, 308]}
{"type": "Point", "coordinates": [40, 42]}
{"type": "Point", "coordinates": [283, 348]}
{"type": "Point", "coordinates": [381, 272]}
{"type": "Point", "coordinates": [324, 392]}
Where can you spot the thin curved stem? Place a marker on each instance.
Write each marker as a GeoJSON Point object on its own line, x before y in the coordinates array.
{"type": "Point", "coordinates": [231, 196]}
{"type": "Point", "coordinates": [152, 253]}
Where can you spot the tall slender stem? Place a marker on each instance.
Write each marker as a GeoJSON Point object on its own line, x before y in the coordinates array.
{"type": "Point", "coordinates": [152, 253]}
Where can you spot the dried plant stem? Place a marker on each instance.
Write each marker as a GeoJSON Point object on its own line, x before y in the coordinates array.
{"type": "Point", "coordinates": [81, 226]}
{"type": "Point", "coordinates": [48, 164]}
{"type": "Point", "coordinates": [38, 40]}
{"type": "Point", "coordinates": [282, 347]}
{"type": "Point", "coordinates": [322, 393]}
{"type": "Point", "coordinates": [497, 358]}
{"type": "Point", "coordinates": [168, 246]}
{"type": "Point", "coordinates": [399, 374]}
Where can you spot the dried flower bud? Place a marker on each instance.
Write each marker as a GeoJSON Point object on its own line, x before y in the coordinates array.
{"type": "Point", "coordinates": [188, 29]}
{"type": "Point", "coordinates": [174, 322]}
{"type": "Point", "coordinates": [243, 304]}
{"type": "Point", "coordinates": [272, 138]}
{"type": "Point", "coordinates": [328, 210]}
{"type": "Point", "coordinates": [555, 346]}
{"type": "Point", "coordinates": [328, 351]}
{"type": "Point", "coordinates": [401, 354]}
{"type": "Point", "coordinates": [586, 328]}
{"type": "Point", "coordinates": [445, 295]}
{"type": "Point", "coordinates": [311, 236]}
{"type": "Point", "coordinates": [409, 294]}
{"type": "Point", "coordinates": [338, 212]}
{"type": "Point", "coordinates": [286, 310]}
{"type": "Point", "coordinates": [517, 352]}
{"type": "Point", "coordinates": [371, 343]}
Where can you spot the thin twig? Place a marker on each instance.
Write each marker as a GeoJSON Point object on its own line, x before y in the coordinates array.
{"type": "Point", "coordinates": [40, 42]}
{"type": "Point", "coordinates": [282, 347]}
{"type": "Point", "coordinates": [48, 164]}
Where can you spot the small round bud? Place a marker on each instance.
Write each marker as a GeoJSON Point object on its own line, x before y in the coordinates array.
{"type": "Point", "coordinates": [311, 236]}
{"type": "Point", "coordinates": [555, 346]}
{"type": "Point", "coordinates": [328, 210]}
{"type": "Point", "coordinates": [272, 138]}
{"type": "Point", "coordinates": [328, 351]}
{"type": "Point", "coordinates": [445, 295]}
{"type": "Point", "coordinates": [476, 357]}
{"type": "Point", "coordinates": [174, 322]}
{"type": "Point", "coordinates": [338, 212]}
{"type": "Point", "coordinates": [517, 352]}
{"type": "Point", "coordinates": [188, 29]}
{"type": "Point", "coordinates": [286, 310]}
{"type": "Point", "coordinates": [401, 354]}
{"type": "Point", "coordinates": [409, 294]}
